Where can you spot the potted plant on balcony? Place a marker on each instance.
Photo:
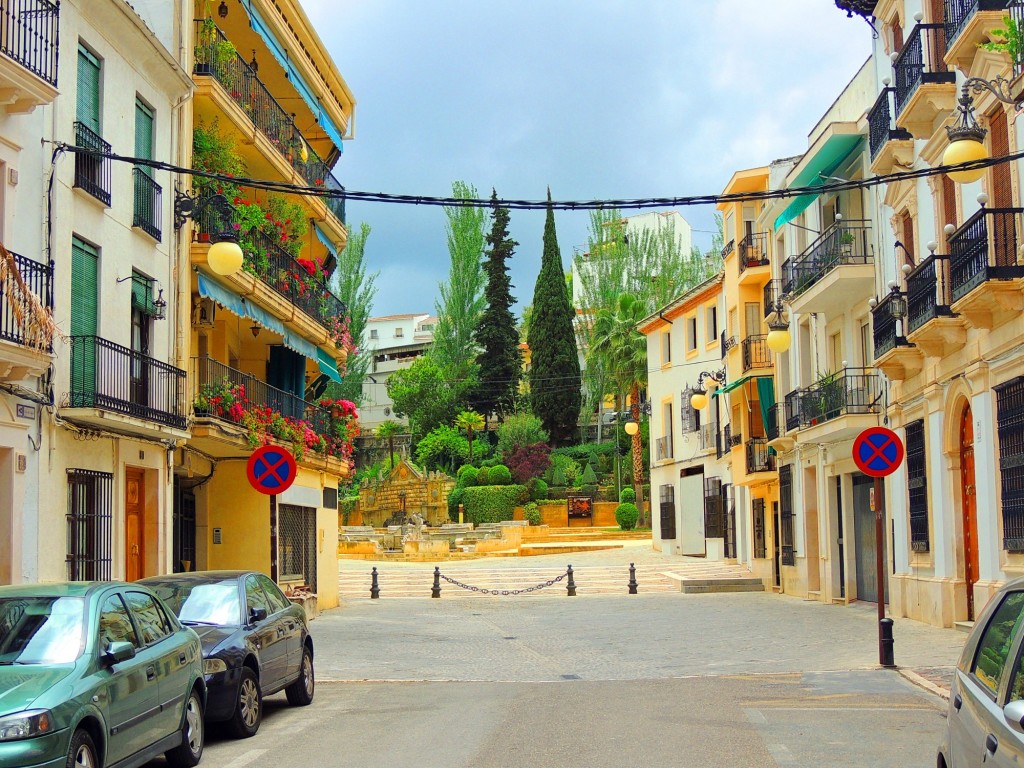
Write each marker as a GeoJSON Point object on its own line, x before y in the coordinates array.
{"type": "Point", "coordinates": [1009, 40]}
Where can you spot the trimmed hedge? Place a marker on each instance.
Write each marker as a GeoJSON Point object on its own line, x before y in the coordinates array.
{"type": "Point", "coordinates": [538, 489]}
{"type": "Point", "coordinates": [532, 513]}
{"type": "Point", "coordinates": [627, 496]}
{"type": "Point", "coordinates": [589, 476]}
{"type": "Point", "coordinates": [499, 475]}
{"type": "Point", "coordinates": [492, 503]}
{"type": "Point", "coordinates": [483, 476]}
{"type": "Point", "coordinates": [467, 476]}
{"type": "Point", "coordinates": [455, 498]}
{"type": "Point", "coordinates": [626, 515]}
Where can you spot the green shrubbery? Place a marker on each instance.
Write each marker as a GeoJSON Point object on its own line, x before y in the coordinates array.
{"type": "Point", "coordinates": [627, 496]}
{"type": "Point", "coordinates": [532, 513]}
{"type": "Point", "coordinates": [467, 476]}
{"type": "Point", "coordinates": [491, 503]}
{"type": "Point", "coordinates": [589, 476]}
{"type": "Point", "coordinates": [538, 489]}
{"type": "Point", "coordinates": [483, 476]}
{"type": "Point", "coordinates": [454, 499]}
{"type": "Point", "coordinates": [626, 515]}
{"type": "Point", "coordinates": [500, 475]}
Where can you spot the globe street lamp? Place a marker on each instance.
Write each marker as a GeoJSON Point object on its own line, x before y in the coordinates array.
{"type": "Point", "coordinates": [966, 137]}
{"type": "Point", "coordinates": [707, 381]}
{"type": "Point", "coordinates": [779, 339]}
{"type": "Point", "coordinates": [216, 216]}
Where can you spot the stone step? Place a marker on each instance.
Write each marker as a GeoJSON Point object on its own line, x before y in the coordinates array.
{"type": "Point", "coordinates": [963, 626]}
{"type": "Point", "coordinates": [702, 589]}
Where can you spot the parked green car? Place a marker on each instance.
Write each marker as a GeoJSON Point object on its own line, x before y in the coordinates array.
{"type": "Point", "coordinates": [96, 675]}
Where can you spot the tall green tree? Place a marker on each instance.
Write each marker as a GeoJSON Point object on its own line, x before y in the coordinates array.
{"type": "Point", "coordinates": [353, 285]}
{"type": "Point", "coordinates": [462, 295]}
{"type": "Point", "coordinates": [623, 351]}
{"type": "Point", "coordinates": [499, 362]}
{"type": "Point", "coordinates": [555, 367]}
{"type": "Point", "coordinates": [427, 395]}
{"type": "Point", "coordinates": [470, 421]}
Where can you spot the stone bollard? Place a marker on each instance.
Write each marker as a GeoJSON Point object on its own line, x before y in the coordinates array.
{"type": "Point", "coordinates": [435, 591]}
{"type": "Point", "coordinates": [632, 579]}
{"type": "Point", "coordinates": [374, 589]}
{"type": "Point", "coordinates": [885, 643]}
{"type": "Point", "coordinates": [570, 586]}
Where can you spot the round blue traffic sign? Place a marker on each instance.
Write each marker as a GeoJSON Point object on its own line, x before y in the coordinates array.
{"type": "Point", "coordinates": [271, 469]}
{"type": "Point", "coordinates": [877, 451]}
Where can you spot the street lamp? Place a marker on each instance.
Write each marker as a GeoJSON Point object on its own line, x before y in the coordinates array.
{"type": "Point", "coordinates": [966, 137]}
{"type": "Point", "coordinates": [225, 255]}
{"type": "Point", "coordinates": [707, 382]}
{"type": "Point", "coordinates": [778, 339]}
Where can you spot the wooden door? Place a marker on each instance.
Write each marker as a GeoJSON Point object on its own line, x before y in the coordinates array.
{"type": "Point", "coordinates": [134, 524]}
{"type": "Point", "coordinates": [968, 505]}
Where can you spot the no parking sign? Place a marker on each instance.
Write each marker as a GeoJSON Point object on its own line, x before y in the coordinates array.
{"type": "Point", "coordinates": [878, 451]}
{"type": "Point", "coordinates": [271, 469]}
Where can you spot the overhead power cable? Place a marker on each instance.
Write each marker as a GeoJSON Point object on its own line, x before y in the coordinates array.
{"type": "Point", "coordinates": [562, 205]}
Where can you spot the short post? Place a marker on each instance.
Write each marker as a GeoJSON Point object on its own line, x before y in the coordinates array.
{"type": "Point", "coordinates": [632, 579]}
{"type": "Point", "coordinates": [885, 643]}
{"type": "Point", "coordinates": [435, 591]}
{"type": "Point", "coordinates": [462, 514]}
{"type": "Point", "coordinates": [374, 589]}
{"type": "Point", "coordinates": [570, 586]}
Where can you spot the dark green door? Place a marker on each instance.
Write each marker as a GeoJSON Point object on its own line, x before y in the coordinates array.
{"type": "Point", "coordinates": [84, 307]}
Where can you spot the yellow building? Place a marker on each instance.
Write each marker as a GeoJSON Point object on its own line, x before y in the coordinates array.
{"type": "Point", "coordinates": [267, 338]}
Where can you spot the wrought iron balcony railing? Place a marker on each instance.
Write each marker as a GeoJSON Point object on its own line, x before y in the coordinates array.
{"type": "Point", "coordinates": [921, 61]}
{"type": "Point", "coordinates": [148, 204]}
{"type": "Point", "coordinates": [881, 126]}
{"type": "Point", "coordinates": [110, 377]}
{"type": "Point", "coordinates": [706, 436]}
{"type": "Point", "coordinates": [928, 291]}
{"type": "Point", "coordinates": [792, 406]}
{"type": "Point", "coordinates": [885, 334]}
{"type": "Point", "coordinates": [759, 457]}
{"type": "Point", "coordinates": [959, 12]}
{"type": "Point", "coordinates": [29, 35]}
{"type": "Point", "coordinates": [849, 391]}
{"type": "Point", "coordinates": [663, 448]}
{"type": "Point", "coordinates": [723, 441]}
{"type": "Point", "coordinates": [38, 279]}
{"type": "Point", "coordinates": [753, 251]}
{"type": "Point", "coordinates": [984, 248]}
{"type": "Point", "coordinates": [844, 243]}
{"type": "Point", "coordinates": [726, 343]}
{"type": "Point", "coordinates": [92, 172]}
{"type": "Point", "coordinates": [217, 58]}
{"type": "Point", "coordinates": [756, 353]}
{"type": "Point", "coordinates": [772, 295]}
{"type": "Point", "coordinates": [771, 426]}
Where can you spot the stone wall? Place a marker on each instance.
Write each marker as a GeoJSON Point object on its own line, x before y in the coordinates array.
{"type": "Point", "coordinates": [425, 494]}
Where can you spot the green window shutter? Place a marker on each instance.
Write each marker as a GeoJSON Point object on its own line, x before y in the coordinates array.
{"type": "Point", "coordinates": [88, 108]}
{"type": "Point", "coordinates": [84, 312]}
{"type": "Point", "coordinates": [143, 132]}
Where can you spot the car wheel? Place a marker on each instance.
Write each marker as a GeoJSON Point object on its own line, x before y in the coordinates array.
{"type": "Point", "coordinates": [300, 693]}
{"type": "Point", "coordinates": [193, 734]}
{"type": "Point", "coordinates": [82, 752]}
{"type": "Point", "coordinates": [248, 714]}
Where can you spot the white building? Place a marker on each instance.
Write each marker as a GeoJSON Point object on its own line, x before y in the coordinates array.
{"type": "Point", "coordinates": [395, 341]}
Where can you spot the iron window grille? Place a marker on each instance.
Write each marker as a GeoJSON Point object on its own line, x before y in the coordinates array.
{"type": "Point", "coordinates": [89, 521]}
{"type": "Point", "coordinates": [760, 544]}
{"type": "Point", "coordinates": [714, 508]}
{"type": "Point", "coordinates": [729, 515]}
{"type": "Point", "coordinates": [1010, 423]}
{"type": "Point", "coordinates": [786, 515]}
{"type": "Point", "coordinates": [667, 497]}
{"type": "Point", "coordinates": [184, 521]}
{"type": "Point", "coordinates": [296, 548]}
{"type": "Point", "coordinates": [917, 485]}
{"type": "Point", "coordinates": [147, 203]}
{"type": "Point", "coordinates": [92, 171]}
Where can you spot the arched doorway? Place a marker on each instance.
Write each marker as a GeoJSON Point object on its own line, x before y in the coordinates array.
{"type": "Point", "coordinates": [968, 507]}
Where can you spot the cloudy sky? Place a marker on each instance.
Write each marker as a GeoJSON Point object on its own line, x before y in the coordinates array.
{"type": "Point", "coordinates": [596, 99]}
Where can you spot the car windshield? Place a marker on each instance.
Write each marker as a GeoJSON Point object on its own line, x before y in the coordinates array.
{"type": "Point", "coordinates": [41, 630]}
{"type": "Point", "coordinates": [201, 603]}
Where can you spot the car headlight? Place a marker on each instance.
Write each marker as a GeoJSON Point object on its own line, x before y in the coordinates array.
{"type": "Point", "coordinates": [211, 666]}
{"type": "Point", "coordinates": [25, 725]}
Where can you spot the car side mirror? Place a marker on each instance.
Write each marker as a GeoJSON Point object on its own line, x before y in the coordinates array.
{"type": "Point", "coordinates": [118, 652]}
{"type": "Point", "coordinates": [1014, 714]}
{"type": "Point", "coordinates": [256, 615]}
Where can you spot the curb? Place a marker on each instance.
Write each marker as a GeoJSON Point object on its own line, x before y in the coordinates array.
{"type": "Point", "coordinates": [923, 682]}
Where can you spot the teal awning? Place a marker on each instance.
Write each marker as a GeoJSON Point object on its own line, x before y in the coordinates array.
{"type": "Point", "coordinates": [322, 237]}
{"type": "Point", "coordinates": [279, 52]}
{"type": "Point", "coordinates": [765, 396]}
{"type": "Point", "coordinates": [825, 160]}
{"type": "Point", "coordinates": [731, 386]}
{"type": "Point", "coordinates": [328, 366]}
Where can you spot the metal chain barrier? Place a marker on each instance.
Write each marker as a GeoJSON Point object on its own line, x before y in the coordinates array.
{"type": "Point", "coordinates": [486, 591]}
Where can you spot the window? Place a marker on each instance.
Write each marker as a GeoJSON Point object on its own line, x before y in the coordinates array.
{"type": "Point", "coordinates": [666, 347]}
{"type": "Point", "coordinates": [89, 523]}
{"type": "Point", "coordinates": [866, 346]}
{"type": "Point", "coordinates": [786, 515]}
{"type": "Point", "coordinates": [84, 299]}
{"type": "Point", "coordinates": [274, 594]}
{"type": "Point", "coordinates": [994, 645]}
{"type": "Point", "coordinates": [917, 485]}
{"type": "Point", "coordinates": [255, 597]}
{"type": "Point", "coordinates": [399, 333]}
{"type": "Point", "coordinates": [147, 191]}
{"type": "Point", "coordinates": [711, 324]}
{"type": "Point", "coordinates": [668, 512]}
{"type": "Point", "coordinates": [373, 333]}
{"type": "Point", "coordinates": [1010, 424]}
{"type": "Point", "coordinates": [714, 508]}
{"type": "Point", "coordinates": [835, 352]}
{"type": "Point", "coordinates": [689, 416]}
{"type": "Point", "coordinates": [297, 548]}
{"type": "Point", "coordinates": [760, 545]}
{"type": "Point", "coordinates": [666, 416]}
{"type": "Point", "coordinates": [150, 620]}
{"type": "Point", "coordinates": [752, 317]}
{"type": "Point", "coordinates": [691, 334]}
{"type": "Point", "coordinates": [87, 107]}
{"type": "Point", "coordinates": [92, 173]}
{"type": "Point", "coordinates": [116, 624]}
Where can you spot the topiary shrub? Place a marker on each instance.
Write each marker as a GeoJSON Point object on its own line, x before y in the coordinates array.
{"type": "Point", "coordinates": [483, 476]}
{"type": "Point", "coordinates": [454, 499]}
{"type": "Point", "coordinates": [590, 489]}
{"type": "Point", "coordinates": [570, 470]}
{"type": "Point", "coordinates": [538, 489]}
{"type": "Point", "coordinates": [626, 515]}
{"type": "Point", "coordinates": [627, 496]}
{"type": "Point", "coordinates": [500, 475]}
{"type": "Point", "coordinates": [589, 477]}
{"type": "Point", "coordinates": [492, 503]}
{"type": "Point", "coordinates": [532, 513]}
{"type": "Point", "coordinates": [467, 476]}
{"type": "Point", "coordinates": [558, 477]}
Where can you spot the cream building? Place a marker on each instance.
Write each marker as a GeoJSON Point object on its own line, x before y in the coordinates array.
{"type": "Point", "coordinates": [395, 341]}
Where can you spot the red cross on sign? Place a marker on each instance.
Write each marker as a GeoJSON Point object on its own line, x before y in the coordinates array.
{"type": "Point", "coordinates": [271, 469]}
{"type": "Point", "coordinates": [878, 451]}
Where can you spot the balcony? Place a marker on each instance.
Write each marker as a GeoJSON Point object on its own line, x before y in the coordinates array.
{"type": "Point", "coordinates": [888, 144]}
{"type": "Point", "coordinates": [792, 408]}
{"type": "Point", "coordinates": [838, 406]}
{"type": "Point", "coordinates": [29, 44]}
{"type": "Point", "coordinates": [728, 248]}
{"type": "Point", "coordinates": [663, 448]}
{"type": "Point", "coordinates": [217, 59]}
{"type": "Point", "coordinates": [759, 457]}
{"type": "Point", "coordinates": [894, 356]}
{"type": "Point", "coordinates": [92, 172]}
{"type": "Point", "coordinates": [753, 253]}
{"type": "Point", "coordinates": [925, 85]}
{"type": "Point", "coordinates": [756, 353]}
{"type": "Point", "coordinates": [772, 295]}
{"type": "Point", "coordinates": [114, 385]}
{"type": "Point", "coordinates": [931, 325]}
{"type": "Point", "coordinates": [223, 397]}
{"type": "Point", "coordinates": [984, 271]}
{"type": "Point", "coordinates": [968, 23]}
{"type": "Point", "coordinates": [706, 437]}
{"type": "Point", "coordinates": [147, 204]}
{"type": "Point", "coordinates": [726, 343]}
{"type": "Point", "coordinates": [22, 354]}
{"type": "Point", "coordinates": [834, 273]}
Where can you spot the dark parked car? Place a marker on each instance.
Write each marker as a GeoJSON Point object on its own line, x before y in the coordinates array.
{"type": "Point", "coordinates": [255, 641]}
{"type": "Point", "coordinates": [96, 674]}
{"type": "Point", "coordinates": [985, 724]}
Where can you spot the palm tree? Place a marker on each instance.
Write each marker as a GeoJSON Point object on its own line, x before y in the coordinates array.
{"type": "Point", "coordinates": [617, 347]}
{"type": "Point", "coordinates": [469, 420]}
{"type": "Point", "coordinates": [388, 430]}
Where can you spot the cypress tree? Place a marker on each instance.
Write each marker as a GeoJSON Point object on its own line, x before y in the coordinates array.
{"type": "Point", "coordinates": [555, 385]}
{"type": "Point", "coordinates": [499, 361]}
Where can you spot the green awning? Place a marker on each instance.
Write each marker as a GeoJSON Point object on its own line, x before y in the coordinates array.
{"type": "Point", "coordinates": [730, 387]}
{"type": "Point", "coordinates": [826, 159]}
{"type": "Point", "coordinates": [327, 364]}
{"type": "Point", "coordinates": [765, 396]}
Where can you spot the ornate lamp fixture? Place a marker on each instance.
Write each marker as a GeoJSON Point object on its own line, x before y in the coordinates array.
{"type": "Point", "coordinates": [225, 256]}
{"type": "Point", "coordinates": [778, 339]}
{"type": "Point", "coordinates": [707, 382]}
{"type": "Point", "coordinates": [966, 137]}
